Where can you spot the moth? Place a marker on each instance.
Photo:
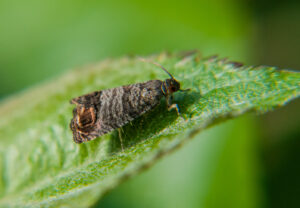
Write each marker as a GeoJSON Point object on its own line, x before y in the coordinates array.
{"type": "Point", "coordinates": [101, 112]}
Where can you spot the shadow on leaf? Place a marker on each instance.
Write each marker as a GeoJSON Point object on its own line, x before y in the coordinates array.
{"type": "Point", "coordinates": [153, 121]}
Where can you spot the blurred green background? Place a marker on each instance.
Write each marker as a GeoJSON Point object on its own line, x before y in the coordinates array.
{"type": "Point", "coordinates": [248, 162]}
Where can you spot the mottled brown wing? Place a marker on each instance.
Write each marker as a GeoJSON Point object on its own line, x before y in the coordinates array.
{"type": "Point", "coordinates": [123, 104]}
{"type": "Point", "coordinates": [83, 124]}
{"type": "Point", "coordinates": [101, 112]}
{"type": "Point", "coordinates": [88, 99]}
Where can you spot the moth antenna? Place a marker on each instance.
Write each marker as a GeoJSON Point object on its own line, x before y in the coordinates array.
{"type": "Point", "coordinates": [157, 64]}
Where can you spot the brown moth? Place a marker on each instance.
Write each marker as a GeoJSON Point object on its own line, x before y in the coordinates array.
{"type": "Point", "coordinates": [100, 112]}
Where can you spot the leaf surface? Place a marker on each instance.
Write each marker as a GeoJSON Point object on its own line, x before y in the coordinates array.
{"type": "Point", "coordinates": [41, 166]}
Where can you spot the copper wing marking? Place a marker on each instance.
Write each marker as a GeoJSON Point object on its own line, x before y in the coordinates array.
{"type": "Point", "coordinates": [83, 124]}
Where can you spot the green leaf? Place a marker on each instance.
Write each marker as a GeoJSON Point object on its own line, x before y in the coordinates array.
{"type": "Point", "coordinates": [40, 164]}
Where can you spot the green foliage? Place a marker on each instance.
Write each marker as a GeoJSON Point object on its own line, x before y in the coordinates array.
{"type": "Point", "coordinates": [40, 164]}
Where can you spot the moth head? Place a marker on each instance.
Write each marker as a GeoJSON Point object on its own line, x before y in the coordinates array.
{"type": "Point", "coordinates": [171, 85]}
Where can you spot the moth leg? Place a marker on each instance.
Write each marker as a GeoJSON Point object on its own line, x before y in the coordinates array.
{"type": "Point", "coordinates": [172, 106]}
{"type": "Point", "coordinates": [121, 139]}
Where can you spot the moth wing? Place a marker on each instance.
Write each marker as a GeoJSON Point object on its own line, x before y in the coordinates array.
{"type": "Point", "coordinates": [83, 124]}
{"type": "Point", "coordinates": [88, 99]}
{"type": "Point", "coordinates": [86, 134]}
